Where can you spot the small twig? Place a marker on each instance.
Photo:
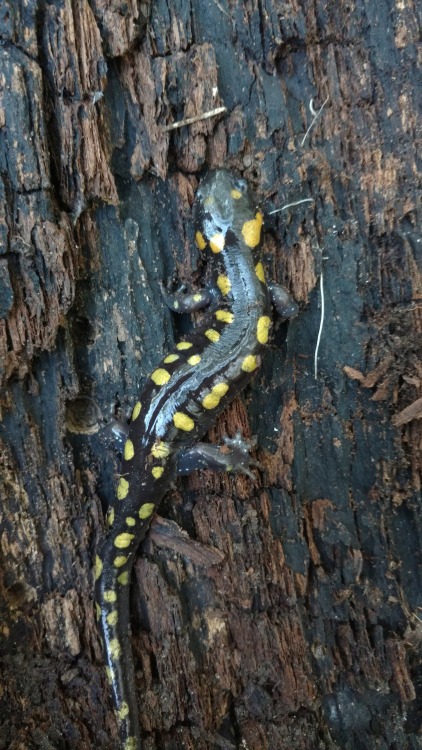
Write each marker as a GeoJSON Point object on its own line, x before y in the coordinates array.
{"type": "Point", "coordinates": [289, 205]}
{"type": "Point", "coordinates": [315, 117]}
{"type": "Point", "coordinates": [321, 323]}
{"type": "Point", "coordinates": [197, 118]}
{"type": "Point", "coordinates": [221, 8]}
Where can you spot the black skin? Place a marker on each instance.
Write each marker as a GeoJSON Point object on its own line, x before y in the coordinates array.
{"type": "Point", "coordinates": [179, 406]}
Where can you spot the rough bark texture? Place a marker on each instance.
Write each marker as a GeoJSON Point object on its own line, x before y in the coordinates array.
{"type": "Point", "coordinates": [269, 617]}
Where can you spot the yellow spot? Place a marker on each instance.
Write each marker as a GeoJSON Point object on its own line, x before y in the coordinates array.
{"type": "Point", "coordinates": [136, 410]}
{"type": "Point", "coordinates": [157, 472]}
{"type": "Point", "coordinates": [213, 398]}
{"type": "Point", "coordinates": [171, 358]}
{"type": "Point", "coordinates": [123, 540]}
{"type": "Point", "coordinates": [210, 401]}
{"type": "Point", "coordinates": [160, 376]}
{"type": "Point", "coordinates": [112, 618]}
{"type": "Point", "coordinates": [183, 345]}
{"type": "Point", "coordinates": [197, 297]}
{"type": "Point", "coordinates": [217, 243]}
{"type": "Point", "coordinates": [115, 649]}
{"type": "Point", "coordinates": [194, 359]}
{"type": "Point", "coordinates": [131, 743]}
{"type": "Point", "coordinates": [251, 230]}
{"type": "Point", "coordinates": [97, 610]}
{"type": "Point", "coordinates": [119, 561]}
{"type": "Point", "coordinates": [183, 422]}
{"type": "Point", "coordinates": [220, 389]}
{"type": "Point", "coordinates": [123, 578]}
{"type": "Point", "coordinates": [262, 329]}
{"type": "Point", "coordinates": [259, 270]}
{"type": "Point", "coordinates": [212, 335]}
{"type": "Point", "coordinates": [160, 449]}
{"type": "Point", "coordinates": [250, 363]}
{"type": "Point", "coordinates": [98, 568]}
{"type": "Point", "coordinates": [129, 450]}
{"type": "Point", "coordinates": [175, 305]}
{"type": "Point", "coordinates": [122, 488]}
{"type": "Point", "coordinates": [224, 285]}
{"type": "Point", "coordinates": [146, 510]}
{"type": "Point", "coordinates": [109, 674]}
{"type": "Point", "coordinates": [236, 194]}
{"type": "Point", "coordinates": [224, 316]}
{"type": "Point", "coordinates": [200, 241]}
{"type": "Point", "coordinates": [130, 521]}
{"type": "Point", "coordinates": [110, 517]}
{"type": "Point", "coordinates": [123, 711]}
{"type": "Point", "coordinates": [109, 596]}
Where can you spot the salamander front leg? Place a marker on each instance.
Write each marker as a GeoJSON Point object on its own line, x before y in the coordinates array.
{"type": "Point", "coordinates": [182, 301]}
{"type": "Point", "coordinates": [206, 456]}
{"type": "Point", "coordinates": [282, 301]}
{"type": "Point", "coordinates": [120, 432]}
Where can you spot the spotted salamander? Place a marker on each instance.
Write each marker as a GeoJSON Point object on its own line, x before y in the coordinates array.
{"type": "Point", "coordinates": [180, 401]}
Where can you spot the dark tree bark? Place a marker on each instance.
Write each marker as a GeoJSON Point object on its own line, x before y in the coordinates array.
{"type": "Point", "coordinates": [280, 615]}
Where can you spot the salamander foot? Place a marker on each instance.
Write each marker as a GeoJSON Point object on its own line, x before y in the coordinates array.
{"type": "Point", "coordinates": [208, 456]}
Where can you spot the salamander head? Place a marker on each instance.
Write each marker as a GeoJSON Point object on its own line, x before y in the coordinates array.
{"type": "Point", "coordinates": [225, 208]}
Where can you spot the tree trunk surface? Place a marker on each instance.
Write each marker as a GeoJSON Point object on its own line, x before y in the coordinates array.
{"type": "Point", "coordinates": [276, 615]}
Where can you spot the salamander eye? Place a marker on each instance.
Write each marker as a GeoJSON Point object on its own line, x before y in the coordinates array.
{"type": "Point", "coordinates": [238, 189]}
{"type": "Point", "coordinates": [240, 185]}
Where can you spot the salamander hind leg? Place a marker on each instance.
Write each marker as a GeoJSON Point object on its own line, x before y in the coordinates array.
{"type": "Point", "coordinates": [206, 456]}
